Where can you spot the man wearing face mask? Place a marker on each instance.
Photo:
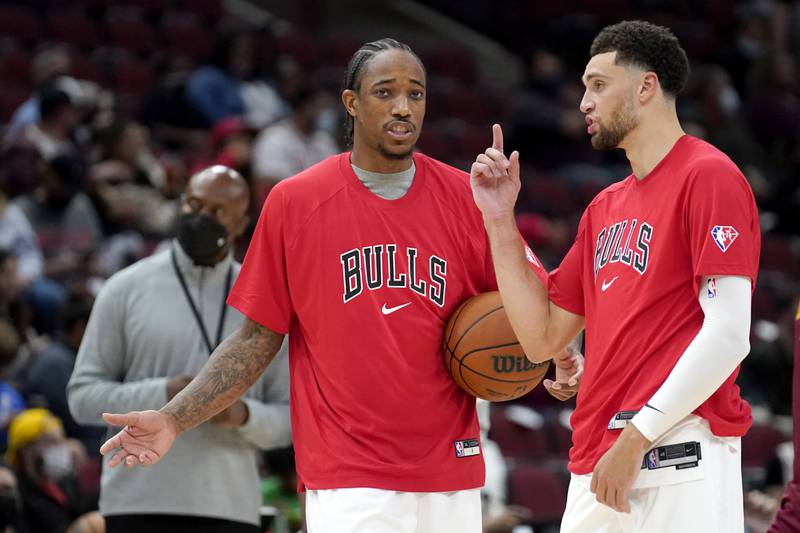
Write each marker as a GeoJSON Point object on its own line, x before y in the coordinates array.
{"type": "Point", "coordinates": [44, 461]}
{"type": "Point", "coordinates": [153, 327]}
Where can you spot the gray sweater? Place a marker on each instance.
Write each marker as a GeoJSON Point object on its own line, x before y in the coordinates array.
{"type": "Point", "coordinates": [141, 333]}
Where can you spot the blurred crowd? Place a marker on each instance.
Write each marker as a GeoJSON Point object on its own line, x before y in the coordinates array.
{"type": "Point", "coordinates": [107, 109]}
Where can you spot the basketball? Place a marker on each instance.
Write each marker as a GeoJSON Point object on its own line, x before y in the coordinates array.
{"type": "Point", "coordinates": [483, 355]}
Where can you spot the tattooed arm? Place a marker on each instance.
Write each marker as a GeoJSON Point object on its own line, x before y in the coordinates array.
{"type": "Point", "coordinates": [232, 369]}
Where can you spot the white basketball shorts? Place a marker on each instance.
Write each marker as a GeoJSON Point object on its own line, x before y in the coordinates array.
{"type": "Point", "coordinates": [364, 510]}
{"type": "Point", "coordinates": [702, 499]}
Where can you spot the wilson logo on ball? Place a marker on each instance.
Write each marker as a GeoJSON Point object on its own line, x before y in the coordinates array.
{"type": "Point", "coordinates": [507, 364]}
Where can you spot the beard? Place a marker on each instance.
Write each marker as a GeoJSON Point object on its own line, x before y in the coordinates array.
{"type": "Point", "coordinates": [622, 121]}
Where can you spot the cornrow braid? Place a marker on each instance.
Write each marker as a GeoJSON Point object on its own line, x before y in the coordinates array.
{"type": "Point", "coordinates": [356, 67]}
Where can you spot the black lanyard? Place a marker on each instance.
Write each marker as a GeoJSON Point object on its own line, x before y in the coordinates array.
{"type": "Point", "coordinates": [196, 313]}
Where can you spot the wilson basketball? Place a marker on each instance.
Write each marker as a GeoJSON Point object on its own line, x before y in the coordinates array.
{"type": "Point", "coordinates": [483, 355]}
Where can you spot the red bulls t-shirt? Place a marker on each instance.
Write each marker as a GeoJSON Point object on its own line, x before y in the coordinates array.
{"type": "Point", "coordinates": [364, 287]}
{"type": "Point", "coordinates": [635, 271]}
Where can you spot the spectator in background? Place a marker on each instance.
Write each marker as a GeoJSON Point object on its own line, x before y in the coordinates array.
{"type": "Point", "coordinates": [49, 64]}
{"type": "Point", "coordinates": [62, 215]}
{"type": "Point", "coordinates": [126, 183]}
{"type": "Point", "coordinates": [59, 117]}
{"type": "Point", "coordinates": [11, 520]}
{"type": "Point", "coordinates": [295, 143]}
{"type": "Point", "coordinates": [47, 377]}
{"type": "Point", "coordinates": [17, 236]}
{"type": "Point", "coordinates": [11, 402]}
{"type": "Point", "coordinates": [235, 85]}
{"type": "Point", "coordinates": [232, 146]}
{"type": "Point", "coordinates": [153, 326]}
{"type": "Point", "coordinates": [46, 464]}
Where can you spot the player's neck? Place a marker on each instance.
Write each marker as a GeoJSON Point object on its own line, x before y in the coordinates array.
{"type": "Point", "coordinates": [650, 142]}
{"type": "Point", "coordinates": [373, 161]}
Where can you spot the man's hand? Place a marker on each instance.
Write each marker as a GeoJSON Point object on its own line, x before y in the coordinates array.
{"type": "Point", "coordinates": [234, 416]}
{"type": "Point", "coordinates": [569, 371]}
{"type": "Point", "coordinates": [177, 384]}
{"type": "Point", "coordinates": [144, 439]}
{"type": "Point", "coordinates": [616, 471]}
{"type": "Point", "coordinates": [495, 180]}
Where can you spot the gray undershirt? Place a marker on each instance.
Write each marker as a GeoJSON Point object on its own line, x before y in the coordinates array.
{"type": "Point", "coordinates": [388, 186]}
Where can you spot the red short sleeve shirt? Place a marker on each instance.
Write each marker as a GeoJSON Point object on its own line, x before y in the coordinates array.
{"type": "Point", "coordinates": [635, 270]}
{"type": "Point", "coordinates": [364, 287]}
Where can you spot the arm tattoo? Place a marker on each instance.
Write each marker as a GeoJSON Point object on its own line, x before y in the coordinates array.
{"type": "Point", "coordinates": [233, 367]}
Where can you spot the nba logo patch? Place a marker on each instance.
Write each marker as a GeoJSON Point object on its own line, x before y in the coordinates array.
{"type": "Point", "coordinates": [467, 448]}
{"type": "Point", "coordinates": [712, 288]}
{"type": "Point", "coordinates": [724, 236]}
{"type": "Point", "coordinates": [652, 459]}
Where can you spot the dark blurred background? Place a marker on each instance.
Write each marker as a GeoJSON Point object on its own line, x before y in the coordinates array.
{"type": "Point", "coordinates": [107, 108]}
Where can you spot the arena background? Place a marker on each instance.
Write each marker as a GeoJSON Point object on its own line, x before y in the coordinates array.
{"type": "Point", "coordinates": [516, 62]}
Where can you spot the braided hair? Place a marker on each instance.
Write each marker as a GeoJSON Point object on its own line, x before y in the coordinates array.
{"type": "Point", "coordinates": [356, 67]}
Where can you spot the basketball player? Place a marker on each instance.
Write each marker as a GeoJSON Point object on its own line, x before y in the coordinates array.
{"type": "Point", "coordinates": [661, 275]}
{"type": "Point", "coordinates": [361, 259]}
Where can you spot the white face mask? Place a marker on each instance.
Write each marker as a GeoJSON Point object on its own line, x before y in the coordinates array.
{"type": "Point", "coordinates": [57, 462]}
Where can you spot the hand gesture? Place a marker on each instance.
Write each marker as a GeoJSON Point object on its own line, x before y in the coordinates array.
{"type": "Point", "coordinates": [144, 440]}
{"type": "Point", "coordinates": [495, 179]}
{"type": "Point", "coordinates": [569, 371]}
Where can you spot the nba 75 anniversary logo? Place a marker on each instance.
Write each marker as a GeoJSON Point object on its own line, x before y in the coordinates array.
{"type": "Point", "coordinates": [724, 236]}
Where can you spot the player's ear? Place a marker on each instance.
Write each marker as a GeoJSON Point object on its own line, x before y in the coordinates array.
{"type": "Point", "coordinates": [350, 101]}
{"type": "Point", "coordinates": [648, 86]}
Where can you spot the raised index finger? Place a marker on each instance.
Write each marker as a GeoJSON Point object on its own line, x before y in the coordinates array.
{"type": "Point", "coordinates": [497, 137]}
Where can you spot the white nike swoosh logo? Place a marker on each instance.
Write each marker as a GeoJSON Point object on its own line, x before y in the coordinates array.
{"type": "Point", "coordinates": [389, 310]}
{"type": "Point", "coordinates": [608, 284]}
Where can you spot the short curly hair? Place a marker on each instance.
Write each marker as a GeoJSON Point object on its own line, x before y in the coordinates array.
{"type": "Point", "coordinates": [648, 46]}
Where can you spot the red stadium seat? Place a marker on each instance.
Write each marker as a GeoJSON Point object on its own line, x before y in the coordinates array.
{"type": "Point", "coordinates": [16, 68]}
{"type": "Point", "coordinates": [133, 76]}
{"type": "Point", "coordinates": [455, 63]}
{"type": "Point", "coordinates": [185, 34]}
{"type": "Point", "coordinates": [211, 10]}
{"type": "Point", "coordinates": [299, 46]}
{"type": "Point", "coordinates": [515, 441]}
{"type": "Point", "coordinates": [549, 195]}
{"type": "Point", "coordinates": [73, 28]}
{"type": "Point", "coordinates": [539, 490]}
{"type": "Point", "coordinates": [10, 99]}
{"type": "Point", "coordinates": [86, 68]}
{"type": "Point", "coordinates": [131, 35]}
{"type": "Point", "coordinates": [340, 48]}
{"type": "Point", "coordinates": [20, 23]}
{"type": "Point", "coordinates": [779, 254]}
{"type": "Point", "coordinates": [759, 444]}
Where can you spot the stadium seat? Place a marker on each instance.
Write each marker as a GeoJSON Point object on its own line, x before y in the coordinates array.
{"type": "Point", "coordinates": [15, 68]}
{"type": "Point", "coordinates": [10, 99]}
{"type": "Point", "coordinates": [779, 254]}
{"type": "Point", "coordinates": [538, 489]}
{"type": "Point", "coordinates": [299, 46]}
{"type": "Point", "coordinates": [133, 76]}
{"type": "Point", "coordinates": [516, 441]}
{"type": "Point", "coordinates": [130, 34]}
{"type": "Point", "coordinates": [73, 28]}
{"type": "Point", "coordinates": [85, 68]}
{"type": "Point", "coordinates": [211, 10]}
{"type": "Point", "coordinates": [185, 34]}
{"type": "Point", "coordinates": [759, 444]}
{"type": "Point", "coordinates": [20, 23]}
